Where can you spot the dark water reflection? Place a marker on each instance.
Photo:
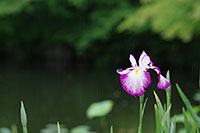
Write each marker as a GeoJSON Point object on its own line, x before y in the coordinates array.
{"type": "Point", "coordinates": [64, 96]}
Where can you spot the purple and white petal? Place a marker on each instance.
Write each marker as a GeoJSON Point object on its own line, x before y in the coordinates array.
{"type": "Point", "coordinates": [135, 81]}
{"type": "Point", "coordinates": [133, 61]}
{"type": "Point", "coordinates": [121, 71]}
{"type": "Point", "coordinates": [156, 69]}
{"type": "Point", "coordinates": [163, 83]}
{"type": "Point", "coordinates": [145, 61]}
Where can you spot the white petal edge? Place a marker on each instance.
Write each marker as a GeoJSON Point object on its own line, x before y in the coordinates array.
{"type": "Point", "coordinates": [133, 61]}
{"type": "Point", "coordinates": [145, 61]}
{"type": "Point", "coordinates": [163, 83]}
{"type": "Point", "coordinates": [134, 84]}
{"type": "Point", "coordinates": [120, 71]}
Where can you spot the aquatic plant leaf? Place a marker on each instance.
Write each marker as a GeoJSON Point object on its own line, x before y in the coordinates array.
{"type": "Point", "coordinates": [197, 96]}
{"type": "Point", "coordinates": [111, 129]}
{"type": "Point", "coordinates": [58, 127]}
{"type": "Point", "coordinates": [168, 90]}
{"type": "Point", "coordinates": [160, 107]}
{"type": "Point", "coordinates": [197, 130]}
{"type": "Point", "coordinates": [188, 105]}
{"type": "Point", "coordinates": [80, 129]}
{"type": "Point", "coordinates": [187, 127]}
{"type": "Point", "coordinates": [141, 113]}
{"type": "Point", "coordinates": [165, 119]}
{"type": "Point", "coordinates": [173, 125]}
{"type": "Point", "coordinates": [158, 123]}
{"type": "Point", "coordinates": [144, 106]}
{"type": "Point", "coordinates": [23, 115]}
{"type": "Point", "coordinates": [54, 128]}
{"type": "Point", "coordinates": [178, 118]}
{"type": "Point", "coordinates": [99, 109]}
{"type": "Point", "coordinates": [23, 118]}
{"type": "Point", "coordinates": [5, 130]}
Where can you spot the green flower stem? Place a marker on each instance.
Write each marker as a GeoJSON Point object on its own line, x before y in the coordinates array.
{"type": "Point", "coordinates": [25, 130]}
{"type": "Point", "coordinates": [141, 114]}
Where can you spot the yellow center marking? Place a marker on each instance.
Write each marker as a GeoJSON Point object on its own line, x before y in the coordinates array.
{"type": "Point", "coordinates": [136, 72]}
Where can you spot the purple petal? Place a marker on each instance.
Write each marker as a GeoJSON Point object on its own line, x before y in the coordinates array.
{"type": "Point", "coordinates": [133, 61]}
{"type": "Point", "coordinates": [145, 61]}
{"type": "Point", "coordinates": [163, 83]}
{"type": "Point", "coordinates": [121, 71]}
{"type": "Point", "coordinates": [135, 81]}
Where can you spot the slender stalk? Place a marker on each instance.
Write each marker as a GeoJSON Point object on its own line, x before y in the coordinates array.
{"type": "Point", "coordinates": [25, 130]}
{"type": "Point", "coordinates": [168, 96]}
{"type": "Point", "coordinates": [168, 91]}
{"type": "Point", "coordinates": [141, 114]}
{"type": "Point", "coordinates": [58, 127]}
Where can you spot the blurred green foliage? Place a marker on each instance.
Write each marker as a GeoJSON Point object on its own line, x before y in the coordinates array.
{"type": "Point", "coordinates": [91, 28]}
{"type": "Point", "coordinates": [76, 23]}
{"type": "Point", "coordinates": [170, 18]}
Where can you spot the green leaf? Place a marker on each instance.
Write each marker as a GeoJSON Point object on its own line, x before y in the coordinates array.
{"type": "Point", "coordinates": [111, 129]}
{"type": "Point", "coordinates": [186, 121]}
{"type": "Point", "coordinates": [23, 115]}
{"type": "Point", "coordinates": [99, 109]}
{"type": "Point", "coordinates": [168, 90]}
{"type": "Point", "coordinates": [158, 123]}
{"type": "Point", "coordinates": [168, 97]}
{"type": "Point", "coordinates": [160, 107]}
{"type": "Point", "coordinates": [158, 16]}
{"type": "Point", "coordinates": [165, 119]}
{"type": "Point", "coordinates": [197, 96]}
{"type": "Point", "coordinates": [199, 74]}
{"type": "Point", "coordinates": [173, 125]}
{"type": "Point", "coordinates": [141, 113]}
{"type": "Point", "coordinates": [58, 127]}
{"type": "Point", "coordinates": [197, 130]}
{"type": "Point", "coordinates": [54, 128]}
{"type": "Point", "coordinates": [80, 129]}
{"type": "Point", "coordinates": [5, 130]}
{"type": "Point", "coordinates": [178, 118]}
{"type": "Point", "coordinates": [188, 105]}
{"type": "Point", "coordinates": [23, 118]}
{"type": "Point", "coordinates": [144, 106]}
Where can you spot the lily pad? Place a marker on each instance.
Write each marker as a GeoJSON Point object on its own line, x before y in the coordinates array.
{"type": "Point", "coordinates": [80, 129]}
{"type": "Point", "coordinates": [99, 109]}
{"type": "Point", "coordinates": [5, 130]}
{"type": "Point", "coordinates": [52, 128]}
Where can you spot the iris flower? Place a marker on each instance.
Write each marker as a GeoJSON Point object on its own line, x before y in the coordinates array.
{"type": "Point", "coordinates": [134, 79]}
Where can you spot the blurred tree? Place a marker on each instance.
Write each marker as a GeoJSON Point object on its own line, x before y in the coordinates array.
{"type": "Point", "coordinates": [170, 18]}
{"type": "Point", "coordinates": [11, 6]}
{"type": "Point", "coordinates": [39, 24]}
{"type": "Point", "coordinates": [89, 27]}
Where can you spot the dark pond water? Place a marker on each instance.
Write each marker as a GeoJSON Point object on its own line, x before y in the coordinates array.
{"type": "Point", "coordinates": [50, 96]}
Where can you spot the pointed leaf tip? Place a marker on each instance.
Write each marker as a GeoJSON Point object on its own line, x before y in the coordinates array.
{"type": "Point", "coordinates": [188, 105]}
{"type": "Point", "coordinates": [111, 129]}
{"type": "Point", "coordinates": [23, 115]}
{"type": "Point", "coordinates": [58, 127]}
{"type": "Point", "coordinates": [168, 75]}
